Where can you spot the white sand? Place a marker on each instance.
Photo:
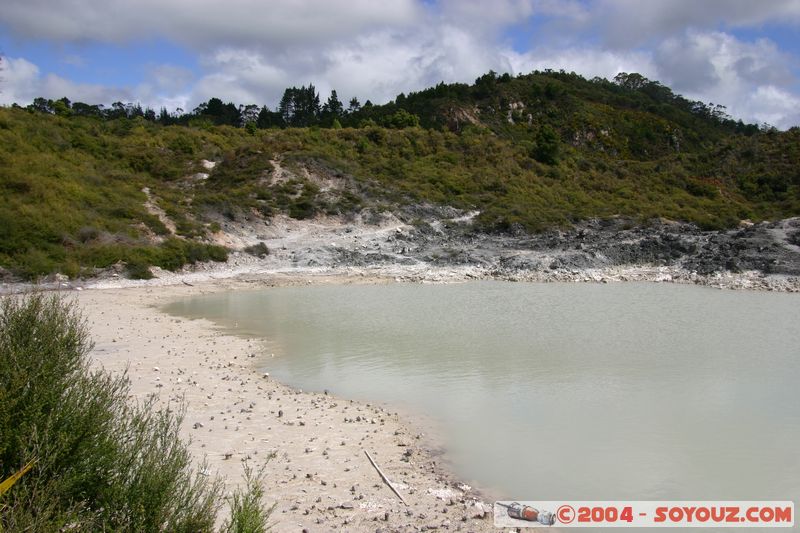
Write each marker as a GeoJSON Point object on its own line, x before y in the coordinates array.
{"type": "Point", "coordinates": [320, 478]}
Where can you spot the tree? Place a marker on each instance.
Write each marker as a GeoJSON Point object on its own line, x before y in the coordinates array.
{"type": "Point", "coordinates": [547, 146]}
{"type": "Point", "coordinates": [118, 110]}
{"type": "Point", "coordinates": [332, 109]}
{"type": "Point", "coordinates": [300, 107]}
{"type": "Point", "coordinates": [401, 119]}
{"type": "Point", "coordinates": [249, 114]}
{"type": "Point", "coordinates": [164, 117]}
{"type": "Point", "coordinates": [42, 105]}
{"type": "Point", "coordinates": [333, 105]}
{"type": "Point", "coordinates": [214, 107]}
{"type": "Point", "coordinates": [485, 85]}
{"type": "Point", "coordinates": [62, 107]}
{"type": "Point", "coordinates": [86, 110]}
{"type": "Point", "coordinates": [219, 113]}
{"type": "Point", "coordinates": [354, 106]}
{"type": "Point", "coordinates": [135, 110]}
{"type": "Point", "coordinates": [269, 119]}
{"type": "Point", "coordinates": [286, 107]}
{"type": "Point", "coordinates": [632, 81]}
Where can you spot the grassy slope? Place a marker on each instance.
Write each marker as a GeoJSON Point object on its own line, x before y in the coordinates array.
{"type": "Point", "coordinates": [73, 200]}
{"type": "Point", "coordinates": [72, 192]}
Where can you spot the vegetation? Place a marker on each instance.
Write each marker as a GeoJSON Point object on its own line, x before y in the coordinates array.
{"type": "Point", "coordinates": [258, 250]}
{"type": "Point", "coordinates": [247, 511]}
{"type": "Point", "coordinates": [533, 151]}
{"type": "Point", "coordinates": [101, 463]}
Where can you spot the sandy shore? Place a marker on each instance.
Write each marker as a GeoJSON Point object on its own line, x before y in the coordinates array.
{"type": "Point", "coordinates": [319, 478]}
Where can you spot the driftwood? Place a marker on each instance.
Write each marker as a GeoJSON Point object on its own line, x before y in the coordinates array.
{"type": "Point", "coordinates": [385, 479]}
{"type": "Point", "coordinates": [187, 283]}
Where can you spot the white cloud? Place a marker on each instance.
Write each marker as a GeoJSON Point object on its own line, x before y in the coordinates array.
{"type": "Point", "coordinates": [588, 62]}
{"type": "Point", "coordinates": [377, 65]}
{"type": "Point", "coordinates": [774, 106]}
{"type": "Point", "coordinates": [19, 79]}
{"type": "Point", "coordinates": [22, 81]}
{"type": "Point", "coordinates": [486, 16]}
{"type": "Point", "coordinates": [631, 22]}
{"type": "Point", "coordinates": [169, 78]}
{"type": "Point", "coordinates": [203, 23]}
{"type": "Point", "coordinates": [715, 66]}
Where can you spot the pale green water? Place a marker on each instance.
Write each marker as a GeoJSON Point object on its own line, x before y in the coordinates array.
{"type": "Point", "coordinates": [558, 391]}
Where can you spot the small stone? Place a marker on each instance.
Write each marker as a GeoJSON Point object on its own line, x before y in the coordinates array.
{"type": "Point", "coordinates": [478, 510]}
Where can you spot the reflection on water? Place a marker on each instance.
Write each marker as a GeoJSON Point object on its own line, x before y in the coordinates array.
{"type": "Point", "coordinates": [558, 391]}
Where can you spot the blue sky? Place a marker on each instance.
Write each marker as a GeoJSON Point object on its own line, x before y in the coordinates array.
{"type": "Point", "coordinates": [177, 53]}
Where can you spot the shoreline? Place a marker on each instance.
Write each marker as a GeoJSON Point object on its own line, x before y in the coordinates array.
{"type": "Point", "coordinates": [319, 478]}
{"type": "Point", "coordinates": [242, 270]}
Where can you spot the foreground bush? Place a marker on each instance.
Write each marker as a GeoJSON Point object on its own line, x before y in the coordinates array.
{"type": "Point", "coordinates": [102, 463]}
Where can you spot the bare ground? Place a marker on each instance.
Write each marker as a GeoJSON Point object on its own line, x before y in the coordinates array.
{"type": "Point", "coordinates": [319, 477]}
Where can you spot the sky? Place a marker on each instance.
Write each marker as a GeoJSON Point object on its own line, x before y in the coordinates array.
{"type": "Point", "coordinates": [743, 54]}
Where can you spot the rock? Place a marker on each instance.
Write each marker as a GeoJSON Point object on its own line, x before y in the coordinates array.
{"type": "Point", "coordinates": [478, 511]}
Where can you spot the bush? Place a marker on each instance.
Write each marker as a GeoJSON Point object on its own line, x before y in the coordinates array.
{"type": "Point", "coordinates": [547, 149]}
{"type": "Point", "coordinates": [258, 250]}
{"type": "Point", "coordinates": [101, 463]}
{"type": "Point", "coordinates": [248, 514]}
{"type": "Point", "coordinates": [139, 270]}
{"type": "Point", "coordinates": [174, 253]}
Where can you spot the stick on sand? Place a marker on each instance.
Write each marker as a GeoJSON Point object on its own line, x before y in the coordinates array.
{"type": "Point", "coordinates": [385, 479]}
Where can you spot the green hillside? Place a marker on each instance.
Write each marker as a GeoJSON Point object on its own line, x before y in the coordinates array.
{"type": "Point", "coordinates": [529, 152]}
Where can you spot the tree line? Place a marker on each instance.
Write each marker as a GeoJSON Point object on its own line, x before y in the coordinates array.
{"type": "Point", "coordinates": [300, 107]}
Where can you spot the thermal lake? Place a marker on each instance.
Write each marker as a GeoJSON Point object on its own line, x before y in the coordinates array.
{"type": "Point", "coordinates": [556, 391]}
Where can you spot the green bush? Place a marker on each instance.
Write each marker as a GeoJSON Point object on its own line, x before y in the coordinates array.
{"type": "Point", "coordinates": [138, 269]}
{"type": "Point", "coordinates": [101, 462]}
{"type": "Point", "coordinates": [247, 511]}
{"type": "Point", "coordinates": [258, 250]}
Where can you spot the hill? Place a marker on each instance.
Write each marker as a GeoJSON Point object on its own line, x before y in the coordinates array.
{"type": "Point", "coordinates": [86, 188]}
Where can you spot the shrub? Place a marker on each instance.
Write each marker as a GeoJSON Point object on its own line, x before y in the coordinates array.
{"type": "Point", "coordinates": [101, 463]}
{"type": "Point", "coordinates": [138, 270]}
{"type": "Point", "coordinates": [258, 250]}
{"type": "Point", "coordinates": [247, 512]}
{"type": "Point", "coordinates": [87, 234]}
{"type": "Point", "coordinates": [547, 146]}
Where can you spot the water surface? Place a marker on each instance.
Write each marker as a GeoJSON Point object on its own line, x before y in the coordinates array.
{"type": "Point", "coordinates": [557, 391]}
